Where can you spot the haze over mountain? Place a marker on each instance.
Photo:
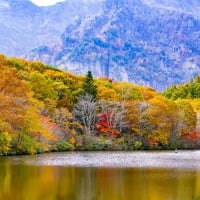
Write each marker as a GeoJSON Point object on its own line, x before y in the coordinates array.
{"type": "Point", "coordinates": [149, 42]}
{"type": "Point", "coordinates": [24, 25]}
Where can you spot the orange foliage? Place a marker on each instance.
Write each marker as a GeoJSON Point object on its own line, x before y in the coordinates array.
{"type": "Point", "coordinates": [72, 140]}
{"type": "Point", "coordinates": [13, 98]}
{"type": "Point", "coordinates": [51, 126]}
{"type": "Point", "coordinates": [192, 136]}
{"type": "Point", "coordinates": [148, 93]}
{"type": "Point", "coordinates": [152, 142]}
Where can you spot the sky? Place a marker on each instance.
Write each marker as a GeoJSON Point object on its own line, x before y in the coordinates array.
{"type": "Point", "coordinates": [45, 2]}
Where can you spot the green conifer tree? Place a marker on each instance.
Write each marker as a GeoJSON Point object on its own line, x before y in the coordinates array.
{"type": "Point", "coordinates": [89, 86]}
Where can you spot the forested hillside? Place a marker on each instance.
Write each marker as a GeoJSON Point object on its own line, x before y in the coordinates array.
{"type": "Point", "coordinates": [190, 90]}
{"type": "Point", "coordinates": [46, 109]}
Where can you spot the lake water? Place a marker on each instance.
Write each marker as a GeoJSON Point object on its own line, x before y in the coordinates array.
{"type": "Point", "coordinates": [101, 176]}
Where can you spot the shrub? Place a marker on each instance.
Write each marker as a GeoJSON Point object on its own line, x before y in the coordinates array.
{"type": "Point", "coordinates": [63, 145]}
{"type": "Point", "coordinates": [5, 139]}
{"type": "Point", "coordinates": [27, 145]}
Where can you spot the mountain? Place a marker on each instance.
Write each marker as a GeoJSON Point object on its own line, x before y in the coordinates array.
{"type": "Point", "coordinates": [149, 42]}
{"type": "Point", "coordinates": [187, 7]}
{"type": "Point", "coordinates": [153, 43]}
{"type": "Point", "coordinates": [15, 25]}
{"type": "Point", "coordinates": [24, 26]}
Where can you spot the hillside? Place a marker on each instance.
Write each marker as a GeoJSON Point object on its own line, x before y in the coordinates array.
{"type": "Point", "coordinates": [46, 109]}
{"type": "Point", "coordinates": [190, 91]}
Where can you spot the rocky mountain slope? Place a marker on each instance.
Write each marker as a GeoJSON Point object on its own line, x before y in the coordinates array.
{"type": "Point", "coordinates": [24, 26]}
{"type": "Point", "coordinates": [149, 42]}
{"type": "Point", "coordinates": [138, 41]}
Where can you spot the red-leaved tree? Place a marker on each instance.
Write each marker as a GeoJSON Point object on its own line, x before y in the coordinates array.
{"type": "Point", "coordinates": [105, 124]}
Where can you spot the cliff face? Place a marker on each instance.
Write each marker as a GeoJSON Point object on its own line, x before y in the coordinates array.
{"type": "Point", "coordinates": [139, 41]}
{"type": "Point", "coordinates": [149, 42]}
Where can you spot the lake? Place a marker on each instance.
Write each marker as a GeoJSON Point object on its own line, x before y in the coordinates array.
{"type": "Point", "coordinates": [101, 176]}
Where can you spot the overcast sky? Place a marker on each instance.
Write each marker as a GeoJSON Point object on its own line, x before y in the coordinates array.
{"type": "Point", "coordinates": [45, 2]}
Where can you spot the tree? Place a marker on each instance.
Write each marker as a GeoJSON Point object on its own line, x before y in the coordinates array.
{"type": "Point", "coordinates": [128, 91]}
{"type": "Point", "coordinates": [85, 112]}
{"type": "Point", "coordinates": [107, 94]}
{"type": "Point", "coordinates": [190, 139]}
{"type": "Point", "coordinates": [89, 86]}
{"type": "Point", "coordinates": [188, 115]}
{"type": "Point", "coordinates": [111, 120]}
{"type": "Point", "coordinates": [67, 124]}
{"type": "Point", "coordinates": [13, 99]}
{"type": "Point", "coordinates": [161, 118]}
{"type": "Point", "coordinates": [153, 121]}
{"type": "Point", "coordinates": [43, 87]}
{"type": "Point", "coordinates": [105, 124]}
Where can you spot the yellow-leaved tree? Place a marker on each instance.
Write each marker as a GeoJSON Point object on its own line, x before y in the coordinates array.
{"type": "Point", "coordinates": [20, 123]}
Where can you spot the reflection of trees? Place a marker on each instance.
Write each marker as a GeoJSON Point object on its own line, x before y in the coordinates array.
{"type": "Point", "coordinates": [85, 185]}
{"type": "Point", "coordinates": [22, 182]}
{"type": "Point", "coordinates": [5, 177]}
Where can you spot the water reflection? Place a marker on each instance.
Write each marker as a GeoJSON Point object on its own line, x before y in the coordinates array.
{"type": "Point", "coordinates": [19, 181]}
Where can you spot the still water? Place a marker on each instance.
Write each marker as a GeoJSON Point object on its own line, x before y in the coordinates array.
{"type": "Point", "coordinates": [101, 176]}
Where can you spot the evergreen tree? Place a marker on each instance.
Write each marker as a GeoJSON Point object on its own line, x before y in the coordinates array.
{"type": "Point", "coordinates": [89, 86]}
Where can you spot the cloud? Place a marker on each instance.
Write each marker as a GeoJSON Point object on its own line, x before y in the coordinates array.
{"type": "Point", "coordinates": [4, 4]}
{"type": "Point", "coordinates": [45, 2]}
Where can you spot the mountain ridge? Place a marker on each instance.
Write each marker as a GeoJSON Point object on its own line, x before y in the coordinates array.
{"type": "Point", "coordinates": [126, 43]}
{"type": "Point", "coordinates": [25, 26]}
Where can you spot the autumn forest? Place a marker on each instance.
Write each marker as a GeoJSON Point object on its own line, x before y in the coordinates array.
{"type": "Point", "coordinates": [45, 109]}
